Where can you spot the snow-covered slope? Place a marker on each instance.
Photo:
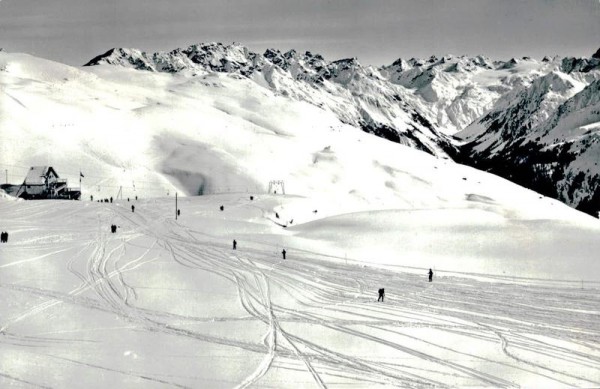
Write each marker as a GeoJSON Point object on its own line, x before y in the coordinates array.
{"type": "Point", "coordinates": [156, 133]}
{"type": "Point", "coordinates": [168, 303]}
{"type": "Point", "coordinates": [357, 95]}
{"type": "Point", "coordinates": [416, 102]}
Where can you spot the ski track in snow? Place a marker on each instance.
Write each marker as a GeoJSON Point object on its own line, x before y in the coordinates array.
{"type": "Point", "coordinates": [339, 299]}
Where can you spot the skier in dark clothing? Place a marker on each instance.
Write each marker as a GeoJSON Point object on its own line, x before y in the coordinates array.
{"type": "Point", "coordinates": [381, 292]}
{"type": "Point", "coordinates": [234, 244]}
{"type": "Point", "coordinates": [221, 207]}
{"type": "Point", "coordinates": [283, 253]}
{"type": "Point", "coordinates": [430, 275]}
{"type": "Point", "coordinates": [6, 237]}
{"type": "Point", "coordinates": [2, 236]}
{"type": "Point", "coordinates": [133, 208]}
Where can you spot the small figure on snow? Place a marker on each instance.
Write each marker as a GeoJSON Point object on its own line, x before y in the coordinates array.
{"type": "Point", "coordinates": [221, 207]}
{"type": "Point", "coordinates": [3, 237]}
{"type": "Point", "coordinates": [251, 198]}
{"type": "Point", "coordinates": [283, 253]}
{"type": "Point", "coordinates": [234, 244]}
{"type": "Point", "coordinates": [132, 208]}
{"type": "Point", "coordinates": [179, 212]}
{"type": "Point", "coordinates": [430, 275]}
{"type": "Point", "coordinates": [276, 215]}
{"type": "Point", "coordinates": [381, 292]}
{"type": "Point", "coordinates": [111, 199]}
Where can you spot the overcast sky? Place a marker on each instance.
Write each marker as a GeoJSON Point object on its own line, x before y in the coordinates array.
{"type": "Point", "coordinates": [375, 31]}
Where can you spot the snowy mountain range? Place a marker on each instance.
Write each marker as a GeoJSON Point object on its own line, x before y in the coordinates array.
{"type": "Point", "coordinates": [537, 118]}
{"type": "Point", "coordinates": [357, 95]}
{"type": "Point", "coordinates": [533, 122]}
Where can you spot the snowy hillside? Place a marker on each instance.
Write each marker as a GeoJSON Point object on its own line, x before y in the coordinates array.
{"type": "Point", "coordinates": [165, 303]}
{"type": "Point", "coordinates": [357, 95]}
{"type": "Point", "coordinates": [416, 102]}
{"type": "Point", "coordinates": [168, 303]}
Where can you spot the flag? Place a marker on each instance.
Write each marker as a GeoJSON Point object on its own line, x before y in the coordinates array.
{"type": "Point", "coordinates": [81, 174]}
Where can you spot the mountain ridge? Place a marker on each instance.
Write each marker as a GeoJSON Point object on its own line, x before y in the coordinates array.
{"type": "Point", "coordinates": [471, 109]}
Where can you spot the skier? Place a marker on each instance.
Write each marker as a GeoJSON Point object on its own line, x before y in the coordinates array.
{"type": "Point", "coordinates": [6, 237]}
{"type": "Point", "coordinates": [221, 207]}
{"type": "Point", "coordinates": [430, 275]}
{"type": "Point", "coordinates": [2, 236]}
{"type": "Point", "coordinates": [381, 292]}
{"type": "Point", "coordinates": [283, 252]}
{"type": "Point", "coordinates": [234, 244]}
{"type": "Point", "coordinates": [132, 208]}
{"type": "Point", "coordinates": [179, 212]}
{"type": "Point", "coordinates": [111, 199]}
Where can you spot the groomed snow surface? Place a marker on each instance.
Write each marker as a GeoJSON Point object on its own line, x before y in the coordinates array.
{"type": "Point", "coordinates": [169, 303]}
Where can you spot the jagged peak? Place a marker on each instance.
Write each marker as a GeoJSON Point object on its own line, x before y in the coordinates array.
{"type": "Point", "coordinates": [124, 57]}
{"type": "Point", "coordinates": [596, 54]}
{"type": "Point", "coordinates": [402, 64]}
{"type": "Point", "coordinates": [290, 54]}
{"type": "Point", "coordinates": [347, 61]}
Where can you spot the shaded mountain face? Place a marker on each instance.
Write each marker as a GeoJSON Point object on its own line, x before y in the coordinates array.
{"type": "Point", "coordinates": [545, 137]}
{"type": "Point", "coordinates": [533, 122]}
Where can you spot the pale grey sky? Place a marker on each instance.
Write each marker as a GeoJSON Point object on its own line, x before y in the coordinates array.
{"type": "Point", "coordinates": [375, 31]}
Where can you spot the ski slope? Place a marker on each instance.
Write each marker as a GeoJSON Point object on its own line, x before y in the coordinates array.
{"type": "Point", "coordinates": [168, 303]}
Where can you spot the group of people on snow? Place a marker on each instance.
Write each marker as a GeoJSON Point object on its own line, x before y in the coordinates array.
{"type": "Point", "coordinates": [4, 237]}
{"type": "Point", "coordinates": [283, 252]}
{"type": "Point", "coordinates": [381, 291]}
{"type": "Point", "coordinates": [113, 229]}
